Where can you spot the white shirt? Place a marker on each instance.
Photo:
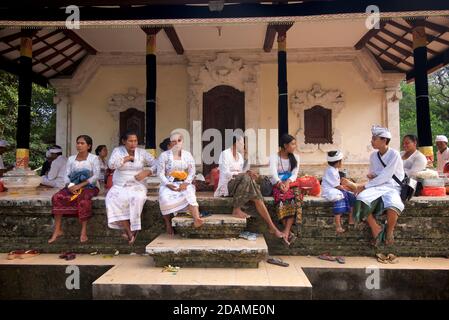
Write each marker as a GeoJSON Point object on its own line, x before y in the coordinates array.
{"type": "Point", "coordinates": [56, 175]}
{"type": "Point", "coordinates": [330, 180]}
{"type": "Point", "coordinates": [167, 164]}
{"type": "Point", "coordinates": [91, 163]}
{"type": "Point", "coordinates": [277, 165]}
{"type": "Point", "coordinates": [229, 167]}
{"type": "Point", "coordinates": [125, 172]}
{"type": "Point", "coordinates": [442, 159]}
{"type": "Point", "coordinates": [384, 175]}
{"type": "Point", "coordinates": [415, 163]}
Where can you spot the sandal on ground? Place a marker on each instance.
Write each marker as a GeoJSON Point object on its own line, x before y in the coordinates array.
{"type": "Point", "coordinates": [382, 258]}
{"type": "Point", "coordinates": [248, 235]}
{"type": "Point", "coordinates": [67, 256]}
{"type": "Point", "coordinates": [327, 257]}
{"type": "Point", "coordinates": [16, 254]}
{"type": "Point", "coordinates": [278, 262]}
{"type": "Point", "coordinates": [392, 258]}
{"type": "Point", "coordinates": [29, 254]}
{"type": "Point", "coordinates": [340, 260]}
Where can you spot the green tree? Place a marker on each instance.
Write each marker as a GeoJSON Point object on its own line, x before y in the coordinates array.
{"type": "Point", "coordinates": [43, 119]}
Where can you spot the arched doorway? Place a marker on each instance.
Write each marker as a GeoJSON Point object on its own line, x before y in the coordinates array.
{"type": "Point", "coordinates": [223, 108]}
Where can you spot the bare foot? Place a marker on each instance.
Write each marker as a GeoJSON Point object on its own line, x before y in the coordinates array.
{"type": "Point", "coordinates": [238, 213]}
{"type": "Point", "coordinates": [340, 230]}
{"type": "Point", "coordinates": [133, 238]}
{"type": "Point", "coordinates": [55, 236]}
{"type": "Point", "coordinates": [125, 236]}
{"type": "Point", "coordinates": [389, 239]}
{"type": "Point", "coordinates": [83, 238]}
{"type": "Point", "coordinates": [170, 231]}
{"type": "Point", "coordinates": [198, 222]}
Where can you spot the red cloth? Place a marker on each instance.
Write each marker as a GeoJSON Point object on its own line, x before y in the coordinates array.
{"type": "Point", "coordinates": [80, 207]}
{"type": "Point", "coordinates": [433, 192]}
{"type": "Point", "coordinates": [215, 176]}
{"type": "Point", "coordinates": [2, 187]}
{"type": "Point", "coordinates": [308, 182]}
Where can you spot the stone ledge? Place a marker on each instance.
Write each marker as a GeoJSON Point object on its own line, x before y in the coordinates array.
{"type": "Point", "coordinates": [211, 253]}
{"type": "Point", "coordinates": [215, 226]}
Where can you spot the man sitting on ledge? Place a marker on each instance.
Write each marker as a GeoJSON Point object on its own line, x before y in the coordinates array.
{"type": "Point", "coordinates": [382, 193]}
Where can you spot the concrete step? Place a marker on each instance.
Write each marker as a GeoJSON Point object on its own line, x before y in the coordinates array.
{"type": "Point", "coordinates": [207, 253]}
{"type": "Point", "coordinates": [143, 280]}
{"type": "Point", "coordinates": [215, 226]}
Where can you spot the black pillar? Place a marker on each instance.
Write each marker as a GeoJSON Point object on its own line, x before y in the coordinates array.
{"type": "Point", "coordinates": [150, 114]}
{"type": "Point", "coordinates": [422, 89]}
{"type": "Point", "coordinates": [282, 83]}
{"type": "Point", "coordinates": [25, 75]}
{"type": "Point", "coordinates": [24, 105]}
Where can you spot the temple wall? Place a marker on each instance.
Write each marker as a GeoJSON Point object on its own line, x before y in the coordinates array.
{"type": "Point", "coordinates": [362, 106]}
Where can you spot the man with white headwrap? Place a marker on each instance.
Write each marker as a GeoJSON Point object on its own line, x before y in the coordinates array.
{"type": "Point", "coordinates": [382, 193]}
{"type": "Point", "coordinates": [55, 176]}
{"type": "Point", "coordinates": [442, 153]}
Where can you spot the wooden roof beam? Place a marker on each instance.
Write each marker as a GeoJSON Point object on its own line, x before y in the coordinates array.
{"type": "Point", "coordinates": [270, 34]}
{"type": "Point", "coordinates": [174, 39]}
{"type": "Point", "coordinates": [367, 37]}
{"type": "Point", "coordinates": [76, 38]}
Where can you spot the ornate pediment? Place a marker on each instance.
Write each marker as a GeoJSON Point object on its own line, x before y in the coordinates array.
{"type": "Point", "coordinates": [302, 100]}
{"type": "Point", "coordinates": [121, 102]}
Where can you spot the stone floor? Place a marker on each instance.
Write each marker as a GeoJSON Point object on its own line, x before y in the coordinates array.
{"type": "Point", "coordinates": [136, 277]}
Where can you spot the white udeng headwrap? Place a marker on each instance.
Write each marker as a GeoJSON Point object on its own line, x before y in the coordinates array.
{"type": "Point", "coordinates": [337, 157]}
{"type": "Point", "coordinates": [55, 150]}
{"type": "Point", "coordinates": [382, 132]}
{"type": "Point", "coordinates": [441, 138]}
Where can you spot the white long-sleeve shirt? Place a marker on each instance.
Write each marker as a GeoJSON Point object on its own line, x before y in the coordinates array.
{"type": "Point", "coordinates": [394, 165]}
{"type": "Point", "coordinates": [415, 163]}
{"type": "Point", "coordinates": [91, 163]}
{"type": "Point", "coordinates": [125, 172]}
{"type": "Point", "coordinates": [55, 176]}
{"type": "Point", "coordinates": [167, 164]}
{"type": "Point", "coordinates": [442, 159]}
{"type": "Point", "coordinates": [277, 165]}
{"type": "Point", "coordinates": [229, 167]}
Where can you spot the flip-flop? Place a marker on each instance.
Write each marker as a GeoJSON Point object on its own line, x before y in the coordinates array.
{"type": "Point", "coordinates": [70, 256]}
{"type": "Point", "coordinates": [382, 258]}
{"type": "Point", "coordinates": [278, 262]}
{"type": "Point", "coordinates": [248, 236]}
{"type": "Point", "coordinates": [340, 260]}
{"type": "Point", "coordinates": [15, 254]}
{"type": "Point", "coordinates": [392, 258]}
{"type": "Point", "coordinates": [29, 254]}
{"type": "Point", "coordinates": [327, 257]}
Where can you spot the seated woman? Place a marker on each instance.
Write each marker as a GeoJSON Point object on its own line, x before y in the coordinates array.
{"type": "Point", "coordinates": [237, 182]}
{"type": "Point", "coordinates": [82, 172]}
{"type": "Point", "coordinates": [176, 169]}
{"type": "Point", "coordinates": [284, 168]}
{"type": "Point", "coordinates": [126, 198]}
{"type": "Point", "coordinates": [414, 160]}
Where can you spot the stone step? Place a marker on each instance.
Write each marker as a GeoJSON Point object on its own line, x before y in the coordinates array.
{"type": "Point", "coordinates": [215, 226]}
{"type": "Point", "coordinates": [207, 253]}
{"type": "Point", "coordinates": [143, 280]}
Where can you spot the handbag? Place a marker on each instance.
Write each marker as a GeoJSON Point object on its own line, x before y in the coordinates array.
{"type": "Point", "coordinates": [266, 188]}
{"type": "Point", "coordinates": [408, 185]}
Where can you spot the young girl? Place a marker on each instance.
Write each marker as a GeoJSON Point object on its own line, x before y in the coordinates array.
{"type": "Point", "coordinates": [334, 189]}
